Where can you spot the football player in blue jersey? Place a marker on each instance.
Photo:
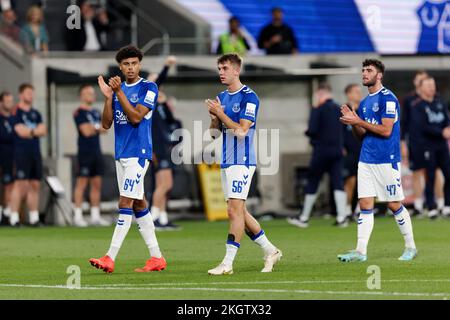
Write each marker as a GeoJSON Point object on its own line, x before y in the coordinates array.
{"type": "Point", "coordinates": [130, 105]}
{"type": "Point", "coordinates": [233, 113]}
{"type": "Point", "coordinates": [378, 124]}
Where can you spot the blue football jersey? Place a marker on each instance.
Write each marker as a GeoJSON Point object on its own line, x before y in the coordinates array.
{"type": "Point", "coordinates": [135, 141]}
{"type": "Point", "coordinates": [242, 104]}
{"type": "Point", "coordinates": [373, 108]}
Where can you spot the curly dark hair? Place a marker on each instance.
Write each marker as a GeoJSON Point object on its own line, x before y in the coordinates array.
{"type": "Point", "coordinates": [129, 51]}
{"type": "Point", "coordinates": [375, 63]}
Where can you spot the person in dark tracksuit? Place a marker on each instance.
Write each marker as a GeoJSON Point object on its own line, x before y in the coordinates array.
{"type": "Point", "coordinates": [435, 130]}
{"type": "Point", "coordinates": [6, 153]}
{"type": "Point", "coordinates": [325, 132]}
{"type": "Point", "coordinates": [352, 147]}
{"type": "Point", "coordinates": [412, 144]}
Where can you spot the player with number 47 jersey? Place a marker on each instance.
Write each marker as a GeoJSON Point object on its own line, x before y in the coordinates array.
{"type": "Point", "coordinates": [233, 114]}
{"type": "Point", "coordinates": [378, 125]}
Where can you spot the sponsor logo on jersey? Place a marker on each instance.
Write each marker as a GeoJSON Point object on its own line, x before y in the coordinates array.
{"type": "Point", "coordinates": [121, 117]}
{"type": "Point", "coordinates": [390, 107]}
{"type": "Point", "coordinates": [250, 109]}
{"type": "Point", "coordinates": [150, 97]}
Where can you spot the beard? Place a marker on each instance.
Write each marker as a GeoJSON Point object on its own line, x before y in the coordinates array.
{"type": "Point", "coordinates": [370, 83]}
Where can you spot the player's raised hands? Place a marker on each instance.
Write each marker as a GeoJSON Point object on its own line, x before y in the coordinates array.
{"type": "Point", "coordinates": [214, 106]}
{"type": "Point", "coordinates": [349, 116]}
{"type": "Point", "coordinates": [115, 83]}
{"type": "Point", "coordinates": [170, 61]}
{"type": "Point", "coordinates": [104, 88]}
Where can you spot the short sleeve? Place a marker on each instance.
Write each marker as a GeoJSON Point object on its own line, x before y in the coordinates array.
{"type": "Point", "coordinates": [249, 107]}
{"type": "Point", "coordinates": [80, 118]}
{"type": "Point", "coordinates": [148, 95]}
{"type": "Point", "coordinates": [388, 107]}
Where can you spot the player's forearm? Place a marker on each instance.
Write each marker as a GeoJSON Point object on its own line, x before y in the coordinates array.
{"type": "Point", "coordinates": [230, 124]}
{"type": "Point", "coordinates": [214, 128]}
{"type": "Point", "coordinates": [40, 131]}
{"type": "Point", "coordinates": [383, 130]}
{"type": "Point", "coordinates": [132, 113]}
{"type": "Point", "coordinates": [107, 115]}
{"type": "Point", "coordinates": [358, 132]}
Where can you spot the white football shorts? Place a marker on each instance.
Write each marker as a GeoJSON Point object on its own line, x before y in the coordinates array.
{"type": "Point", "coordinates": [236, 181]}
{"type": "Point", "coordinates": [383, 181]}
{"type": "Point", "coordinates": [130, 177]}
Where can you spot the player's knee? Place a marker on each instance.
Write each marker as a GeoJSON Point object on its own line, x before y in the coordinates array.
{"type": "Point", "coordinates": [125, 202]}
{"type": "Point", "coordinates": [139, 205]}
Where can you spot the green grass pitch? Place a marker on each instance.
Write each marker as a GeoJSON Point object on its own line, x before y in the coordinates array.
{"type": "Point", "coordinates": [33, 263]}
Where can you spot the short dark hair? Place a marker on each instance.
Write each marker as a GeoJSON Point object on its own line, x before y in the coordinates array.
{"type": "Point", "coordinates": [349, 87]}
{"type": "Point", "coordinates": [25, 86]}
{"type": "Point", "coordinates": [3, 94]}
{"type": "Point", "coordinates": [84, 85]}
{"type": "Point", "coordinates": [324, 86]}
{"type": "Point", "coordinates": [233, 18]}
{"type": "Point", "coordinates": [129, 51]}
{"type": "Point", "coordinates": [233, 58]}
{"type": "Point", "coordinates": [375, 63]}
{"type": "Point", "coordinates": [275, 9]}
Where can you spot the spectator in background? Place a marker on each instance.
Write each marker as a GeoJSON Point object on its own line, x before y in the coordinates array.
{"type": "Point", "coordinates": [233, 41]}
{"type": "Point", "coordinates": [33, 34]}
{"type": "Point", "coordinates": [6, 152]}
{"type": "Point", "coordinates": [435, 129]}
{"type": "Point", "coordinates": [325, 132]}
{"type": "Point", "coordinates": [352, 147]}
{"type": "Point", "coordinates": [29, 128]}
{"type": "Point", "coordinates": [277, 37]}
{"type": "Point", "coordinates": [162, 165]}
{"type": "Point", "coordinates": [92, 35]}
{"type": "Point", "coordinates": [8, 26]}
{"type": "Point", "coordinates": [90, 158]}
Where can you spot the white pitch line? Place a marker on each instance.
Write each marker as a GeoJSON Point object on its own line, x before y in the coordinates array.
{"type": "Point", "coordinates": [265, 282]}
{"type": "Point", "coordinates": [300, 291]}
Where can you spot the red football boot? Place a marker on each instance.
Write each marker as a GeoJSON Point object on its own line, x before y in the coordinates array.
{"type": "Point", "coordinates": [105, 263]}
{"type": "Point", "coordinates": [153, 264]}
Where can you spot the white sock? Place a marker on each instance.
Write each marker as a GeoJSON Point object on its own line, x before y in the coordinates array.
{"type": "Point", "coordinates": [440, 203]}
{"type": "Point", "coordinates": [340, 198]}
{"type": "Point", "coordinates": [155, 213]}
{"type": "Point", "coordinates": [365, 227]}
{"type": "Point", "coordinates": [261, 239]}
{"type": "Point", "coordinates": [163, 218]}
{"type": "Point", "coordinates": [77, 214]}
{"type": "Point", "coordinates": [33, 216]}
{"type": "Point", "coordinates": [6, 211]}
{"type": "Point", "coordinates": [308, 204]}
{"type": "Point", "coordinates": [14, 218]}
{"type": "Point", "coordinates": [120, 232]}
{"type": "Point", "coordinates": [418, 204]}
{"type": "Point", "coordinates": [404, 224]}
{"type": "Point", "coordinates": [147, 230]}
{"type": "Point", "coordinates": [95, 213]}
{"type": "Point", "coordinates": [231, 251]}
{"type": "Point", "coordinates": [349, 210]}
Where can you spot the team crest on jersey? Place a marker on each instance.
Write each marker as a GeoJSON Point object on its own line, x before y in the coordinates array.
{"type": "Point", "coordinates": [236, 107]}
{"type": "Point", "coordinates": [134, 98]}
{"type": "Point", "coordinates": [375, 107]}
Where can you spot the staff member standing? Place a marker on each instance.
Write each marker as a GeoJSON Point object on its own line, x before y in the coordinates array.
{"type": "Point", "coordinates": [29, 128]}
{"type": "Point", "coordinates": [325, 132]}
{"type": "Point", "coordinates": [90, 158]}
